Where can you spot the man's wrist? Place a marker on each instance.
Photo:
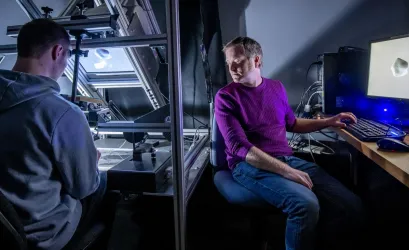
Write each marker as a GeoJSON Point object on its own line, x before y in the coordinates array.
{"type": "Point", "coordinates": [326, 122]}
{"type": "Point", "coordinates": [283, 169]}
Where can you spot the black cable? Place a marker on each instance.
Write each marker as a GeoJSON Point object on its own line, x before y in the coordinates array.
{"type": "Point", "coordinates": [309, 67]}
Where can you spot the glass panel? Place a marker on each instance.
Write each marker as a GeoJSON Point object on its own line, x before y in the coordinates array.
{"type": "Point", "coordinates": [57, 6]}
{"type": "Point", "coordinates": [8, 62]}
{"type": "Point", "coordinates": [106, 60]}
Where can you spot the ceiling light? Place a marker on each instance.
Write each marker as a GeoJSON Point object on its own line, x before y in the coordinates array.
{"type": "Point", "coordinates": [103, 54]}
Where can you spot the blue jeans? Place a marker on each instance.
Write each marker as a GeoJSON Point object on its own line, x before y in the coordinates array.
{"type": "Point", "coordinates": [329, 212]}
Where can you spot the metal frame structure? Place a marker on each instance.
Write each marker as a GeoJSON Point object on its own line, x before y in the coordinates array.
{"type": "Point", "coordinates": [95, 23]}
{"type": "Point", "coordinates": [142, 59]}
{"type": "Point", "coordinates": [118, 42]}
{"type": "Point", "coordinates": [139, 57]}
{"type": "Point", "coordinates": [33, 12]}
{"type": "Point", "coordinates": [176, 114]}
{"type": "Point", "coordinates": [172, 39]}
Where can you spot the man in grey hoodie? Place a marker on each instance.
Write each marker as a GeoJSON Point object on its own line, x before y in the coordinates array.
{"type": "Point", "coordinates": [48, 161]}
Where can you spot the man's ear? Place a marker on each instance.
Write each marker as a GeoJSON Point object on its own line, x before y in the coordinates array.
{"type": "Point", "coordinates": [57, 51]}
{"type": "Point", "coordinates": [257, 61]}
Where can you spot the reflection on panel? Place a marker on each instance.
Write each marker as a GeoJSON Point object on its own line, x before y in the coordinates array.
{"type": "Point", "coordinates": [109, 60]}
{"type": "Point", "coordinates": [57, 6]}
{"type": "Point", "coordinates": [8, 62]}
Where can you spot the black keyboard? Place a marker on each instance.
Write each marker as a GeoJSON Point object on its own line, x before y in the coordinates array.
{"type": "Point", "coordinates": [372, 131]}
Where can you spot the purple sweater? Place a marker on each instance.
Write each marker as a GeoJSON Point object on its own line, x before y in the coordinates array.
{"type": "Point", "coordinates": [257, 117]}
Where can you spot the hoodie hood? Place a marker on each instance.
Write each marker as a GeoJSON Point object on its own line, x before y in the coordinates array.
{"type": "Point", "coordinates": [18, 87]}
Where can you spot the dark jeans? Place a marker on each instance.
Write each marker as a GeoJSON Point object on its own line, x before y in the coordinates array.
{"type": "Point", "coordinates": [329, 213]}
{"type": "Point", "coordinates": [92, 210]}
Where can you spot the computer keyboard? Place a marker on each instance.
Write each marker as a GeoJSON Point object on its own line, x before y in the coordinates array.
{"type": "Point", "coordinates": [372, 131]}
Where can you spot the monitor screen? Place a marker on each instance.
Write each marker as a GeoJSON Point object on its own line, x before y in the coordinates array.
{"type": "Point", "coordinates": [389, 70]}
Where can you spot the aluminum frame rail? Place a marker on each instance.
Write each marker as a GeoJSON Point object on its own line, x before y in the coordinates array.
{"type": "Point", "coordinates": [69, 9]}
{"type": "Point", "coordinates": [30, 9]}
{"type": "Point", "coordinates": [94, 23]}
{"type": "Point", "coordinates": [176, 114]}
{"type": "Point", "coordinates": [139, 57]}
{"type": "Point", "coordinates": [111, 42]}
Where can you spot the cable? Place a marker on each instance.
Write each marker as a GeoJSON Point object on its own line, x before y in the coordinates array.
{"type": "Point", "coordinates": [322, 144]}
{"type": "Point", "coordinates": [307, 107]}
{"type": "Point", "coordinates": [204, 124]}
{"type": "Point", "coordinates": [309, 67]}
{"type": "Point", "coordinates": [316, 92]}
{"type": "Point", "coordinates": [309, 142]}
{"type": "Point", "coordinates": [315, 84]}
{"type": "Point", "coordinates": [196, 138]}
{"type": "Point", "coordinates": [294, 138]}
{"type": "Point", "coordinates": [305, 93]}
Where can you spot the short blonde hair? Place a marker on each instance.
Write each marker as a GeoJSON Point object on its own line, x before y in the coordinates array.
{"type": "Point", "coordinates": [251, 47]}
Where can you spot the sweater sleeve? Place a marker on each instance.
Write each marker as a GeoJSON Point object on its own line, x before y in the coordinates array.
{"type": "Point", "coordinates": [290, 118]}
{"type": "Point", "coordinates": [75, 154]}
{"type": "Point", "coordinates": [229, 126]}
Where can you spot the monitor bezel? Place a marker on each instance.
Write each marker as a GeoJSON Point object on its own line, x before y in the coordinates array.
{"type": "Point", "coordinates": [384, 39]}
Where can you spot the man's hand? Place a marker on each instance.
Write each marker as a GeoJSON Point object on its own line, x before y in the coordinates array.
{"type": "Point", "coordinates": [338, 121]}
{"type": "Point", "coordinates": [298, 176]}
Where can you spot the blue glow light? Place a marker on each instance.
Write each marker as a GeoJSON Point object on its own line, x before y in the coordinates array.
{"type": "Point", "coordinates": [385, 110]}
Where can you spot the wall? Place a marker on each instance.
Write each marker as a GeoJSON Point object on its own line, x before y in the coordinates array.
{"type": "Point", "coordinates": [292, 33]}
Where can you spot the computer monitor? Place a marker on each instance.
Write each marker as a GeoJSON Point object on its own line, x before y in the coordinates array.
{"type": "Point", "coordinates": [389, 69]}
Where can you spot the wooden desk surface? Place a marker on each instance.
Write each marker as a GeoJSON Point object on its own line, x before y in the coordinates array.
{"type": "Point", "coordinates": [395, 163]}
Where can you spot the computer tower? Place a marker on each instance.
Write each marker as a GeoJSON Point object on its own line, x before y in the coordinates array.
{"type": "Point", "coordinates": [344, 80]}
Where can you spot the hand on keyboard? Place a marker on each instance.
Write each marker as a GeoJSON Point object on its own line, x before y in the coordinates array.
{"type": "Point", "coordinates": [341, 120]}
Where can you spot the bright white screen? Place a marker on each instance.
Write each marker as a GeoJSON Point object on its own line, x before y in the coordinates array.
{"type": "Point", "coordinates": [389, 70]}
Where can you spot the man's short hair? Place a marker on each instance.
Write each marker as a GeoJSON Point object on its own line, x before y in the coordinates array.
{"type": "Point", "coordinates": [251, 47]}
{"type": "Point", "coordinates": [39, 35]}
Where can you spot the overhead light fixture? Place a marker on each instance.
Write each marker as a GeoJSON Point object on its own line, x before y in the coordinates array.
{"type": "Point", "coordinates": [130, 73]}
{"type": "Point", "coordinates": [92, 24]}
{"type": "Point", "coordinates": [104, 56]}
{"type": "Point", "coordinates": [108, 84]}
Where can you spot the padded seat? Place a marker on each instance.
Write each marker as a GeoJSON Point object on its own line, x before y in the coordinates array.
{"type": "Point", "coordinates": [232, 191]}
{"type": "Point", "coordinates": [235, 193]}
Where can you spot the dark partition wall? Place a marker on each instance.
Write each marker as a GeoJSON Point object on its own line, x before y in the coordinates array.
{"type": "Point", "coordinates": [200, 25]}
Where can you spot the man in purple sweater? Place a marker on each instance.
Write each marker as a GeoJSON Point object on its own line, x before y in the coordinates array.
{"type": "Point", "coordinates": [253, 115]}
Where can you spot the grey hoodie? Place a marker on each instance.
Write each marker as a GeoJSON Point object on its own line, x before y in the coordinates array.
{"type": "Point", "coordinates": [48, 161]}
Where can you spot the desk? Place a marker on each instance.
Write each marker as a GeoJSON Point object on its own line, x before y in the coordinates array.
{"type": "Point", "coordinates": [396, 164]}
